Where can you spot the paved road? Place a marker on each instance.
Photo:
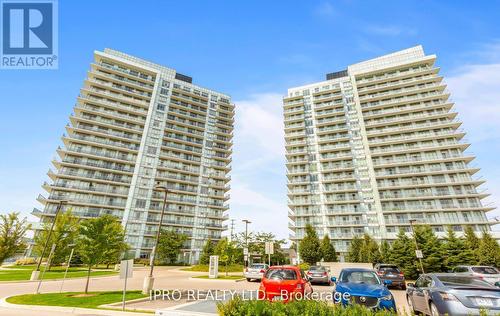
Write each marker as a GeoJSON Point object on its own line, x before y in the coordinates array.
{"type": "Point", "coordinates": [166, 278]}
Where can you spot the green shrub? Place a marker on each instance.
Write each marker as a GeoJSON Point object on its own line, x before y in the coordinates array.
{"type": "Point", "coordinates": [142, 261]}
{"type": "Point", "coordinates": [204, 268]}
{"type": "Point", "coordinates": [304, 266]}
{"type": "Point", "coordinates": [25, 261]}
{"type": "Point", "coordinates": [240, 307]}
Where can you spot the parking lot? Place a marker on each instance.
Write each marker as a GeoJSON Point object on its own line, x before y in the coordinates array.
{"type": "Point", "coordinates": [167, 278]}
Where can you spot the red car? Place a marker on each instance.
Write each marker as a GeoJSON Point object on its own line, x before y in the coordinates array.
{"type": "Point", "coordinates": [284, 283]}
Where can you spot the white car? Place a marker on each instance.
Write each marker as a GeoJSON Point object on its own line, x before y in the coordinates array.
{"type": "Point", "coordinates": [485, 273]}
{"type": "Point", "coordinates": [255, 271]}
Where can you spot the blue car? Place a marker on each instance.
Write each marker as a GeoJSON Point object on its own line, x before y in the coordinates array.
{"type": "Point", "coordinates": [363, 287]}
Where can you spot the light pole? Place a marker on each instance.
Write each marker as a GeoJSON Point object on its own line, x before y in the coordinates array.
{"type": "Point", "coordinates": [149, 280]}
{"type": "Point", "coordinates": [246, 221]}
{"type": "Point", "coordinates": [416, 244]}
{"type": "Point", "coordinates": [36, 272]}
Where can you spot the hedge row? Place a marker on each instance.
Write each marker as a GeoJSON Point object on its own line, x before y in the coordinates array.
{"type": "Point", "coordinates": [241, 307]}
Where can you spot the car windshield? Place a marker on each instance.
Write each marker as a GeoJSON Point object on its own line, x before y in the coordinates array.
{"type": "Point", "coordinates": [258, 266]}
{"type": "Point", "coordinates": [485, 270]}
{"type": "Point", "coordinates": [366, 277]}
{"type": "Point", "coordinates": [317, 268]}
{"type": "Point", "coordinates": [281, 274]}
{"type": "Point", "coordinates": [452, 280]}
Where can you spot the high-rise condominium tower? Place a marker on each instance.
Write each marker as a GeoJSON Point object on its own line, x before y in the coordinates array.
{"type": "Point", "coordinates": [375, 146]}
{"type": "Point", "coordinates": [137, 125]}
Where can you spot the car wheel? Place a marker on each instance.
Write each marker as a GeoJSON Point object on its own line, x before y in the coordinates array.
{"type": "Point", "coordinates": [403, 287]}
{"type": "Point", "coordinates": [434, 310]}
{"type": "Point", "coordinates": [249, 280]}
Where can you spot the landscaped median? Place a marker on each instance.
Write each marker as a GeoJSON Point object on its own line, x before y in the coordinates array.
{"type": "Point", "coordinates": [222, 268]}
{"type": "Point", "coordinates": [23, 273]}
{"type": "Point", "coordinates": [75, 299]}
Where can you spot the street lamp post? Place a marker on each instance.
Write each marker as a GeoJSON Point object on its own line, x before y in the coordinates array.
{"type": "Point", "coordinates": [246, 221]}
{"type": "Point", "coordinates": [416, 244]}
{"type": "Point", "coordinates": [149, 279]}
{"type": "Point", "coordinates": [35, 274]}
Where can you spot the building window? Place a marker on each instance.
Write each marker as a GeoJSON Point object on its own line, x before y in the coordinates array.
{"type": "Point", "coordinates": [160, 107]}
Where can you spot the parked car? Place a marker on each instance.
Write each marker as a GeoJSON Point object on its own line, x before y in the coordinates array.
{"type": "Point", "coordinates": [448, 293]}
{"type": "Point", "coordinates": [255, 271]}
{"type": "Point", "coordinates": [364, 287]}
{"type": "Point", "coordinates": [486, 273]}
{"type": "Point", "coordinates": [391, 272]}
{"type": "Point", "coordinates": [282, 283]}
{"type": "Point", "coordinates": [319, 274]}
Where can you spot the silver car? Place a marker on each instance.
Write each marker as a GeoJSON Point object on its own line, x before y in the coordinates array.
{"type": "Point", "coordinates": [255, 271]}
{"type": "Point", "coordinates": [486, 273]}
{"type": "Point", "coordinates": [450, 294]}
{"type": "Point", "coordinates": [319, 274]}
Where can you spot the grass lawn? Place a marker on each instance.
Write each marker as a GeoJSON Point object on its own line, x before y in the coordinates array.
{"type": "Point", "coordinates": [20, 273]}
{"type": "Point", "coordinates": [69, 300]}
{"type": "Point", "coordinates": [221, 277]}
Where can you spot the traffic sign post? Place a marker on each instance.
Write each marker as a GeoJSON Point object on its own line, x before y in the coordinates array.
{"type": "Point", "coordinates": [126, 271]}
{"type": "Point", "coordinates": [269, 250]}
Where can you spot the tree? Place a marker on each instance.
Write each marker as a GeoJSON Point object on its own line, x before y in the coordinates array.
{"type": "Point", "coordinates": [97, 236]}
{"type": "Point", "coordinates": [259, 242]}
{"type": "Point", "coordinates": [256, 246]}
{"type": "Point", "coordinates": [226, 250]}
{"type": "Point", "coordinates": [12, 231]}
{"type": "Point", "coordinates": [328, 250]}
{"type": "Point", "coordinates": [453, 250]}
{"type": "Point", "coordinates": [63, 236]}
{"type": "Point", "coordinates": [354, 249]}
{"type": "Point", "coordinates": [385, 250]}
{"type": "Point", "coordinates": [310, 247]}
{"type": "Point", "coordinates": [431, 249]}
{"type": "Point", "coordinates": [170, 244]}
{"type": "Point", "coordinates": [208, 250]}
{"type": "Point", "coordinates": [369, 250]}
{"type": "Point", "coordinates": [402, 254]}
{"type": "Point", "coordinates": [471, 245]}
{"type": "Point", "coordinates": [113, 255]}
{"type": "Point", "coordinates": [489, 251]}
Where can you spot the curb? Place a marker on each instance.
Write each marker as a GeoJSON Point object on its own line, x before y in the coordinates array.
{"type": "Point", "coordinates": [73, 310]}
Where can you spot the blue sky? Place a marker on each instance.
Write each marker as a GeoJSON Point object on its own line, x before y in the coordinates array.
{"type": "Point", "coordinates": [254, 51]}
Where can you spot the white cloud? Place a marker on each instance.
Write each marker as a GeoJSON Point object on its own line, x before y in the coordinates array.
{"type": "Point", "coordinates": [476, 92]}
{"type": "Point", "coordinates": [390, 30]}
{"type": "Point", "coordinates": [325, 9]}
{"type": "Point", "coordinates": [475, 89]}
{"type": "Point", "coordinates": [265, 213]}
{"type": "Point", "coordinates": [258, 186]}
{"type": "Point", "coordinates": [259, 123]}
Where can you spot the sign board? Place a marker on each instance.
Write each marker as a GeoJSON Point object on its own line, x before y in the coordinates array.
{"type": "Point", "coordinates": [126, 268]}
{"type": "Point", "coordinates": [419, 254]}
{"type": "Point", "coordinates": [213, 267]}
{"type": "Point", "coordinates": [269, 248]}
{"type": "Point", "coordinates": [245, 251]}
